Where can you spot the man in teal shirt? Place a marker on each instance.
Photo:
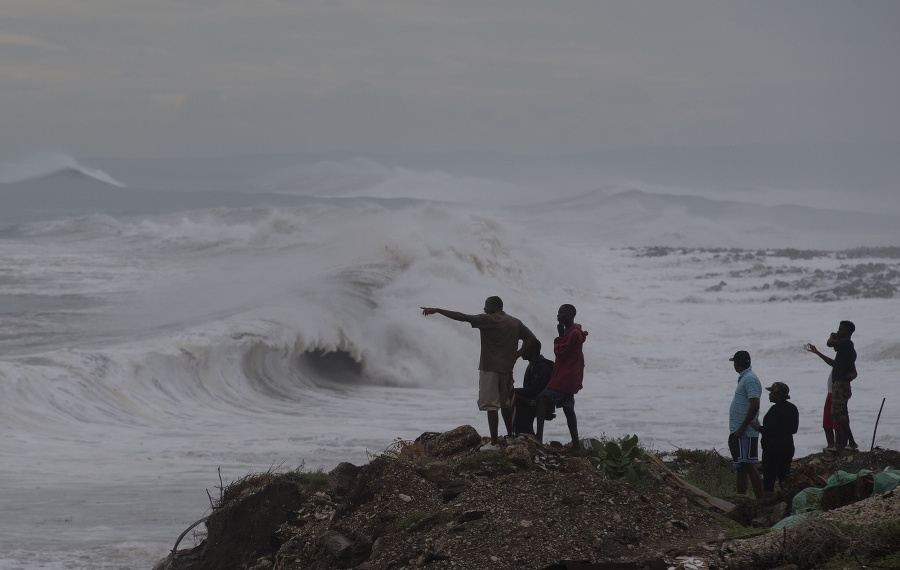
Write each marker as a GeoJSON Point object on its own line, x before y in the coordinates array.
{"type": "Point", "coordinates": [743, 440]}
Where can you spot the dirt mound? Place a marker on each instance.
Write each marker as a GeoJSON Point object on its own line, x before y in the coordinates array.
{"type": "Point", "coordinates": [441, 503]}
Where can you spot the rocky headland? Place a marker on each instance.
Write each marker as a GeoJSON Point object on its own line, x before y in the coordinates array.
{"type": "Point", "coordinates": [440, 503]}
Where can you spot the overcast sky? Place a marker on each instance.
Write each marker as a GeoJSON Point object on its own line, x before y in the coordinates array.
{"type": "Point", "coordinates": [161, 78]}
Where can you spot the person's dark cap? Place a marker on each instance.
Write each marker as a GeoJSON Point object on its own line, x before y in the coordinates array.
{"type": "Point", "coordinates": [741, 356]}
{"type": "Point", "coordinates": [780, 388]}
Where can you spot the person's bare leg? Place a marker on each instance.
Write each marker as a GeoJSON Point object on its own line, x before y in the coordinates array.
{"type": "Point", "coordinates": [507, 414]}
{"type": "Point", "coordinates": [749, 473]}
{"type": "Point", "coordinates": [829, 437]}
{"type": "Point", "coordinates": [493, 422]}
{"type": "Point", "coordinates": [755, 481]}
{"type": "Point", "coordinates": [572, 421]}
{"type": "Point", "coordinates": [741, 481]}
{"type": "Point", "coordinates": [851, 443]}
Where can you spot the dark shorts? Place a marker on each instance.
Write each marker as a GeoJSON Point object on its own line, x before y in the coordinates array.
{"type": "Point", "coordinates": [777, 463]}
{"type": "Point", "coordinates": [744, 451]}
{"type": "Point", "coordinates": [559, 399]}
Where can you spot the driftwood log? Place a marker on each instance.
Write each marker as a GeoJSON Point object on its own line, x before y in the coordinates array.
{"type": "Point", "coordinates": [702, 495]}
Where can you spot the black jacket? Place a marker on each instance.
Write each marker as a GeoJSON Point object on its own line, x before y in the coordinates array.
{"type": "Point", "coordinates": [780, 424]}
{"type": "Point", "coordinates": [536, 377]}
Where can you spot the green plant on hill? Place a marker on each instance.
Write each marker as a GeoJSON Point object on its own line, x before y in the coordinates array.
{"type": "Point", "coordinates": [486, 463]}
{"type": "Point", "coordinates": [706, 469]}
{"type": "Point", "coordinates": [317, 478]}
{"type": "Point", "coordinates": [411, 519]}
{"type": "Point", "coordinates": [617, 459]}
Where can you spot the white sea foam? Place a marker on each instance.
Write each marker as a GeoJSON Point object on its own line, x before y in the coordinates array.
{"type": "Point", "coordinates": [143, 352]}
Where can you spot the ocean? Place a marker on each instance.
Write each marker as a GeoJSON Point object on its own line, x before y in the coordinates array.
{"type": "Point", "coordinates": [167, 327]}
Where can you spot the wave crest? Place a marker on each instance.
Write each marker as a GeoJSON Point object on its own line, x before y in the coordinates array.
{"type": "Point", "coordinates": [41, 165]}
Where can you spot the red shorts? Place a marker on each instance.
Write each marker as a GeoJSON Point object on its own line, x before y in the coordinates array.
{"type": "Point", "coordinates": [827, 423]}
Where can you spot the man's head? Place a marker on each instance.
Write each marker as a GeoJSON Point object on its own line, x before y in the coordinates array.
{"type": "Point", "coordinates": [566, 314]}
{"type": "Point", "coordinates": [779, 391]}
{"type": "Point", "coordinates": [533, 352]}
{"type": "Point", "coordinates": [846, 329]}
{"type": "Point", "coordinates": [493, 304]}
{"type": "Point", "coordinates": [741, 360]}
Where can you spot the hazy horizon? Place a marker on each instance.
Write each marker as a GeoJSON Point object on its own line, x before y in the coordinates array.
{"type": "Point", "coordinates": [769, 103]}
{"type": "Point", "coordinates": [169, 79]}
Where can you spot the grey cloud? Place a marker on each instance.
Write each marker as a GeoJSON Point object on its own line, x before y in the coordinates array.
{"type": "Point", "coordinates": [233, 77]}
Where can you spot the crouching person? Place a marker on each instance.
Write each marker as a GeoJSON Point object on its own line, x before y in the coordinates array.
{"type": "Point", "coordinates": [522, 412]}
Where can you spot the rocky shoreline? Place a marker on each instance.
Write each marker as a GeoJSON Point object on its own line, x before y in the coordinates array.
{"type": "Point", "coordinates": [442, 504]}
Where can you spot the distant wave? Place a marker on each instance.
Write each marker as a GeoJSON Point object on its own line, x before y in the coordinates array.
{"type": "Point", "coordinates": [365, 178]}
{"type": "Point", "coordinates": [633, 216]}
{"type": "Point", "coordinates": [45, 164]}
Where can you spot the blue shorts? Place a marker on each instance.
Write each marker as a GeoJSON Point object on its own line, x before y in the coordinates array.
{"type": "Point", "coordinates": [559, 399]}
{"type": "Point", "coordinates": [744, 451]}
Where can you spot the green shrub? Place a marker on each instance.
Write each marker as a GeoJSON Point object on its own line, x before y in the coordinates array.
{"type": "Point", "coordinates": [486, 463]}
{"type": "Point", "coordinates": [706, 469]}
{"type": "Point", "coordinates": [617, 459]}
{"type": "Point", "coordinates": [317, 478]}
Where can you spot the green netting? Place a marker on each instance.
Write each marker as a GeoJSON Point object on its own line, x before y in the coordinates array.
{"type": "Point", "coordinates": [809, 499]}
{"type": "Point", "coordinates": [886, 481]}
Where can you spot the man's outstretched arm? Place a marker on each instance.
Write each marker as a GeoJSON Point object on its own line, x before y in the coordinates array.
{"type": "Point", "coordinates": [455, 315]}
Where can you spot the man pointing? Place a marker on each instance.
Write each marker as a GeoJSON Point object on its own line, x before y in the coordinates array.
{"type": "Point", "coordinates": [500, 336]}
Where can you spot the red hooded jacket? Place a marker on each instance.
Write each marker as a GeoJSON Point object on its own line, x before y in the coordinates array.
{"type": "Point", "coordinates": [568, 370]}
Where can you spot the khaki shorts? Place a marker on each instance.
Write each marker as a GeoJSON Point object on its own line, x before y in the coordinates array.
{"type": "Point", "coordinates": [494, 390]}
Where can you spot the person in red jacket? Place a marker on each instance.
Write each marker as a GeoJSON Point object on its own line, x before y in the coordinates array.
{"type": "Point", "coordinates": [568, 373]}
